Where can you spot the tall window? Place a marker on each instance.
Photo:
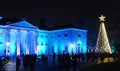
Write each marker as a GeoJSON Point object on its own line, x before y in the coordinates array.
{"type": "Point", "coordinates": [52, 49]}
{"type": "Point", "coordinates": [58, 36]}
{"type": "Point", "coordinates": [66, 49]}
{"type": "Point", "coordinates": [79, 35]}
{"type": "Point", "coordinates": [46, 36]}
{"type": "Point", "coordinates": [42, 36]}
{"type": "Point", "coordinates": [51, 36]}
{"type": "Point", "coordinates": [42, 44]}
{"type": "Point", "coordinates": [65, 35]}
{"type": "Point", "coordinates": [46, 44]}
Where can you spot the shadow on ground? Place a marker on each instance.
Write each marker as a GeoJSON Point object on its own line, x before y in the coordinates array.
{"type": "Point", "coordinates": [111, 66]}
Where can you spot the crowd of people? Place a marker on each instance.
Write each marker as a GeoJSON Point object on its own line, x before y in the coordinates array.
{"type": "Point", "coordinates": [27, 61]}
{"type": "Point", "coordinates": [65, 60]}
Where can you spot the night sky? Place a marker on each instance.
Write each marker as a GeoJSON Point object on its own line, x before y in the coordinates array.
{"type": "Point", "coordinates": [62, 12]}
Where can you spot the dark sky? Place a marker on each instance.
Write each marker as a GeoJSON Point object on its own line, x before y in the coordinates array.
{"type": "Point", "coordinates": [62, 12]}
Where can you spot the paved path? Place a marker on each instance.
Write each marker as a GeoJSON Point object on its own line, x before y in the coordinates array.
{"type": "Point", "coordinates": [53, 67]}
{"type": "Point", "coordinates": [10, 66]}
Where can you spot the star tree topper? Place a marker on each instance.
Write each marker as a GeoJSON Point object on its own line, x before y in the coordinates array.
{"type": "Point", "coordinates": [102, 18]}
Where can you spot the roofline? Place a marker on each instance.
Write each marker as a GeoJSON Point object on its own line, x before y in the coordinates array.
{"type": "Point", "coordinates": [23, 26]}
{"type": "Point", "coordinates": [69, 29]}
{"type": "Point", "coordinates": [3, 26]}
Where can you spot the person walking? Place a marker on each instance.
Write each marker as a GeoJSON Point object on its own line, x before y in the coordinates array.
{"type": "Point", "coordinates": [17, 63]}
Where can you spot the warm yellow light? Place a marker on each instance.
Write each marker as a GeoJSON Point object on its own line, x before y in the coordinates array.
{"type": "Point", "coordinates": [111, 59]}
{"type": "Point", "coordinates": [106, 60]}
{"type": "Point", "coordinates": [102, 44]}
{"type": "Point", "coordinates": [102, 18]}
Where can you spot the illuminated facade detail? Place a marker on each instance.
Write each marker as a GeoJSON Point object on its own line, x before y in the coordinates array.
{"type": "Point", "coordinates": [23, 38]}
{"type": "Point", "coordinates": [68, 41]}
{"type": "Point", "coordinates": [0, 32]}
{"type": "Point", "coordinates": [102, 45]}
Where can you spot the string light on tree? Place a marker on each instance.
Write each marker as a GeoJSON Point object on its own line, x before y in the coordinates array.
{"type": "Point", "coordinates": [102, 45]}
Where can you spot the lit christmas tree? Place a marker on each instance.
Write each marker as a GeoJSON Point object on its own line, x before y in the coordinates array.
{"type": "Point", "coordinates": [102, 45]}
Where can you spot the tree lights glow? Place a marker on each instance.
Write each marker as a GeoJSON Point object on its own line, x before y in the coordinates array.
{"type": "Point", "coordinates": [102, 45]}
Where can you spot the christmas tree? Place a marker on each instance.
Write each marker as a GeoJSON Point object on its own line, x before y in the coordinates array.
{"type": "Point", "coordinates": [102, 45]}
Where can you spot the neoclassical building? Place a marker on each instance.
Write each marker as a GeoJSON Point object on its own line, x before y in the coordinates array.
{"type": "Point", "coordinates": [24, 38]}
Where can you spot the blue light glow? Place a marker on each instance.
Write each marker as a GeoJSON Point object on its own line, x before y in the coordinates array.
{"type": "Point", "coordinates": [42, 41]}
{"type": "Point", "coordinates": [79, 44]}
{"type": "Point", "coordinates": [1, 17]}
{"type": "Point", "coordinates": [26, 40]}
{"type": "Point", "coordinates": [12, 42]}
{"type": "Point", "coordinates": [2, 42]}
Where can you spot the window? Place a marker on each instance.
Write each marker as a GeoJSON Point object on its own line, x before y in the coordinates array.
{"type": "Point", "coordinates": [66, 49]}
{"type": "Point", "coordinates": [58, 35]}
{"type": "Point", "coordinates": [79, 35]}
{"type": "Point", "coordinates": [52, 49]}
{"type": "Point", "coordinates": [46, 43]}
{"type": "Point", "coordinates": [46, 36]}
{"type": "Point", "coordinates": [51, 36]}
{"type": "Point", "coordinates": [42, 36]}
{"type": "Point", "coordinates": [41, 43]}
{"type": "Point", "coordinates": [65, 35]}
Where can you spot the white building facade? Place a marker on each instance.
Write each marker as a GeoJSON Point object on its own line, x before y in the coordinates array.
{"type": "Point", "coordinates": [24, 38]}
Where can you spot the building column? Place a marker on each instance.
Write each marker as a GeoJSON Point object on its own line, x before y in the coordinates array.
{"type": "Point", "coordinates": [27, 41]}
{"type": "Point", "coordinates": [36, 43]}
{"type": "Point", "coordinates": [7, 51]}
{"type": "Point", "coordinates": [18, 43]}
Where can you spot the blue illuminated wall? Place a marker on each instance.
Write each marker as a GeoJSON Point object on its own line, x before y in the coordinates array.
{"type": "Point", "coordinates": [2, 40]}
{"type": "Point", "coordinates": [13, 39]}
{"type": "Point", "coordinates": [79, 39]}
{"type": "Point", "coordinates": [18, 38]}
{"type": "Point", "coordinates": [23, 41]}
{"type": "Point", "coordinates": [59, 41]}
{"type": "Point", "coordinates": [42, 42]}
{"type": "Point", "coordinates": [24, 38]}
{"type": "Point", "coordinates": [68, 40]}
{"type": "Point", "coordinates": [32, 39]}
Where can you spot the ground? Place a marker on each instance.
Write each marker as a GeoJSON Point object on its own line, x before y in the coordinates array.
{"type": "Point", "coordinates": [107, 66]}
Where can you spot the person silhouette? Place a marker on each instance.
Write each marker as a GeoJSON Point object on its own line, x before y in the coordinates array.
{"type": "Point", "coordinates": [17, 63]}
